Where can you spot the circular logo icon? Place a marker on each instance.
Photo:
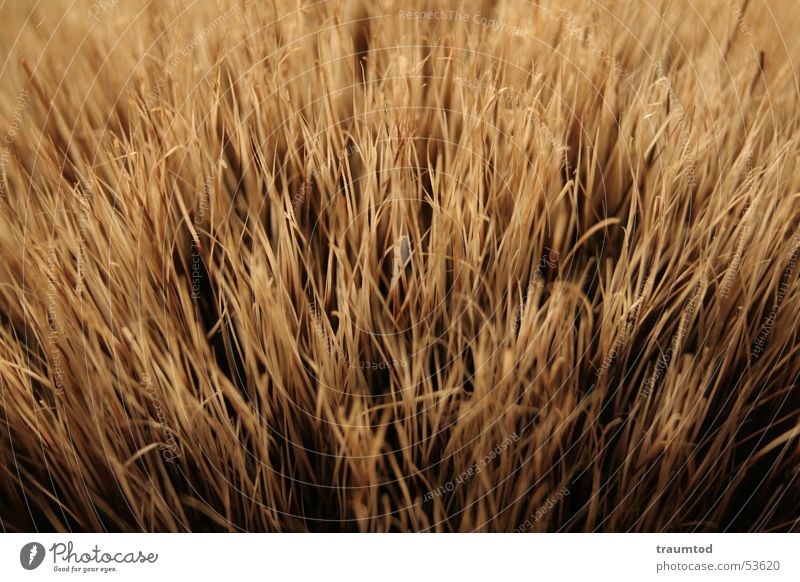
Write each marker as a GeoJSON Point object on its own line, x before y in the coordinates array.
{"type": "Point", "coordinates": [31, 555]}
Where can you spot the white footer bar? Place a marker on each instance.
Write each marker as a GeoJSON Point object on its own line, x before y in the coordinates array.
{"type": "Point", "coordinates": [401, 557]}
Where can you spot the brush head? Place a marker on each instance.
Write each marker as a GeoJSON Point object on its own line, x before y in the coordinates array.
{"type": "Point", "coordinates": [353, 268]}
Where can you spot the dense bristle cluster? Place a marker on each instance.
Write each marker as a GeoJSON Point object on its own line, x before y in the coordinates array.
{"type": "Point", "coordinates": [385, 266]}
